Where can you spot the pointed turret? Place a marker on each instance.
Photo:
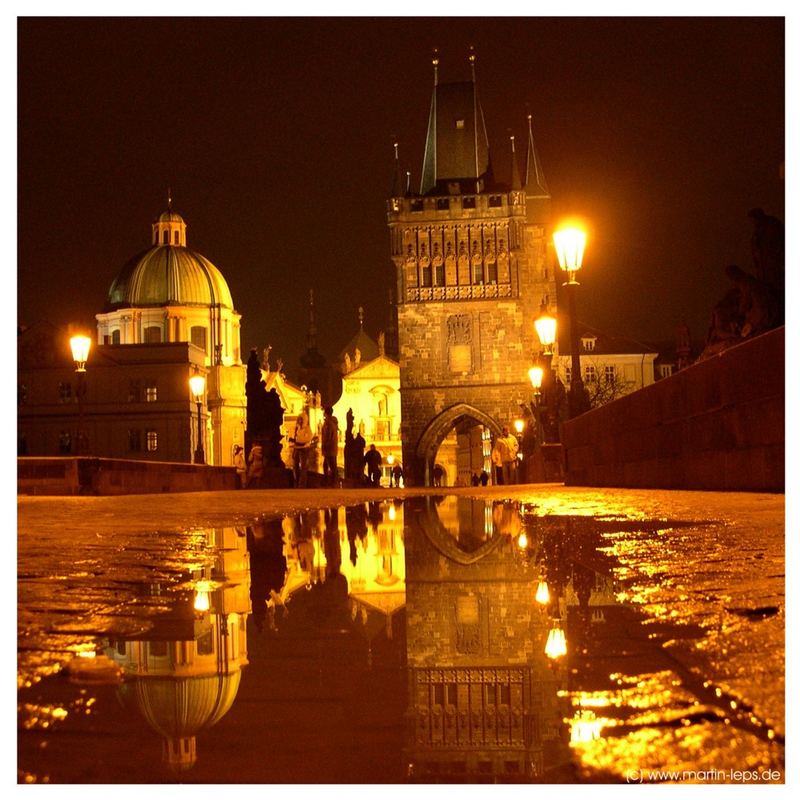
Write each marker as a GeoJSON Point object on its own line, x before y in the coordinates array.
{"type": "Point", "coordinates": [398, 178]}
{"type": "Point", "coordinates": [516, 181]}
{"type": "Point", "coordinates": [456, 157]}
{"type": "Point", "coordinates": [535, 183]}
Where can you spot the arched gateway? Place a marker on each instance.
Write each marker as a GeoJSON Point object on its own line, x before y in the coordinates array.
{"type": "Point", "coordinates": [438, 429]}
{"type": "Point", "coordinates": [473, 268]}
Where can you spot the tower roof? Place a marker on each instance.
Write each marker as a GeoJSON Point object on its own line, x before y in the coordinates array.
{"type": "Point", "coordinates": [456, 147]}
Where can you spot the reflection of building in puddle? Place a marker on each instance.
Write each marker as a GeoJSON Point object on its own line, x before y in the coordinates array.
{"type": "Point", "coordinates": [364, 543]}
{"type": "Point", "coordinates": [183, 674]}
{"type": "Point", "coordinates": [483, 701]}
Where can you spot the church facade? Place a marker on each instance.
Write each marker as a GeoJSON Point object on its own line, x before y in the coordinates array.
{"type": "Point", "coordinates": [473, 267]}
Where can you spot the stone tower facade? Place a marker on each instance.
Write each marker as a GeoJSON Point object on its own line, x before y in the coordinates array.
{"type": "Point", "coordinates": [473, 266]}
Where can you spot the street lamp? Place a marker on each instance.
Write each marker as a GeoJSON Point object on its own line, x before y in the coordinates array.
{"type": "Point", "coordinates": [570, 244]}
{"type": "Point", "coordinates": [197, 384]}
{"type": "Point", "coordinates": [80, 346]}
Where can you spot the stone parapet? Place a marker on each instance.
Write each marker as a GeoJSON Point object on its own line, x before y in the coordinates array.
{"type": "Point", "coordinates": [113, 476]}
{"type": "Point", "coordinates": [717, 425]}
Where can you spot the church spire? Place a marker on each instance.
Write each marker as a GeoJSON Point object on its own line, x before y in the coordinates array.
{"type": "Point", "coordinates": [311, 338]}
{"type": "Point", "coordinates": [398, 189]}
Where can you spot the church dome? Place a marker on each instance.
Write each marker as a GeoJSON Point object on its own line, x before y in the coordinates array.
{"type": "Point", "coordinates": [169, 275]}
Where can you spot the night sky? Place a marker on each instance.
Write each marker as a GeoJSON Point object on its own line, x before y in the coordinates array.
{"type": "Point", "coordinates": [275, 136]}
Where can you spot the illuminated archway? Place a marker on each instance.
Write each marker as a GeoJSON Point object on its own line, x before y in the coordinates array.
{"type": "Point", "coordinates": [441, 425]}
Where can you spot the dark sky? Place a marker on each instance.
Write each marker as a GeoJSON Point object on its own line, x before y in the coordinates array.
{"type": "Point", "coordinates": [275, 136]}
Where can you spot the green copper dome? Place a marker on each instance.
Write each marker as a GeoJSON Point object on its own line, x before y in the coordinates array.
{"type": "Point", "coordinates": [169, 275]}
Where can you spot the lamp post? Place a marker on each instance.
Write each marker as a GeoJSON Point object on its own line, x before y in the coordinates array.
{"type": "Point", "coordinates": [80, 346]}
{"type": "Point", "coordinates": [197, 384]}
{"type": "Point", "coordinates": [570, 244]}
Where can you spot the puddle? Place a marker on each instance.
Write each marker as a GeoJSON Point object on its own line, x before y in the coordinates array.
{"type": "Point", "coordinates": [391, 642]}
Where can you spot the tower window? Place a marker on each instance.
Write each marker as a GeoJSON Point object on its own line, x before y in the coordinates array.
{"type": "Point", "coordinates": [152, 441]}
{"type": "Point", "coordinates": [150, 392]}
{"type": "Point", "coordinates": [460, 124]}
{"type": "Point", "coordinates": [165, 237]}
{"type": "Point", "coordinates": [443, 204]}
{"type": "Point", "coordinates": [438, 275]}
{"type": "Point", "coordinates": [495, 201]}
{"type": "Point", "coordinates": [425, 275]}
{"type": "Point", "coordinates": [176, 238]}
{"type": "Point", "coordinates": [468, 202]}
{"type": "Point", "coordinates": [152, 334]}
{"type": "Point", "coordinates": [116, 337]}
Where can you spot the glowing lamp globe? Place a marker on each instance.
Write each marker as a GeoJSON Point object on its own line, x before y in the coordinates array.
{"type": "Point", "coordinates": [570, 244]}
{"type": "Point", "coordinates": [556, 646]}
{"type": "Point", "coordinates": [536, 374]}
{"type": "Point", "coordinates": [80, 351]}
{"type": "Point", "coordinates": [197, 383]}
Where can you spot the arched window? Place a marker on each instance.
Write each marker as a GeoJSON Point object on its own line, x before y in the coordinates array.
{"type": "Point", "coordinates": [165, 237]}
{"type": "Point", "coordinates": [116, 337]}
{"type": "Point", "coordinates": [438, 275]}
{"type": "Point", "coordinates": [176, 239]}
{"type": "Point", "coordinates": [477, 276]}
{"type": "Point", "coordinates": [152, 334]}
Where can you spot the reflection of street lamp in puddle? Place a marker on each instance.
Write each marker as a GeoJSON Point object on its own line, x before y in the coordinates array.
{"type": "Point", "coordinates": [202, 596]}
{"type": "Point", "coordinates": [556, 646]}
{"type": "Point", "coordinates": [542, 592]}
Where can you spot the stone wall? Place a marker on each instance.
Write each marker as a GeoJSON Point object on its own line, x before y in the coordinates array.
{"type": "Point", "coordinates": [107, 476]}
{"type": "Point", "coordinates": [717, 425]}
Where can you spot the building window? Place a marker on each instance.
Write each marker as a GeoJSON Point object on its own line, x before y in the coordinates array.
{"type": "Point", "coordinates": [443, 204]}
{"type": "Point", "coordinates": [134, 391]}
{"type": "Point", "coordinates": [665, 370]}
{"type": "Point", "coordinates": [152, 441]}
{"type": "Point", "coordinates": [64, 392]}
{"type": "Point", "coordinates": [588, 343]}
{"type": "Point", "coordinates": [590, 374]}
{"type": "Point", "coordinates": [425, 275]}
{"type": "Point", "coordinates": [152, 334]}
{"type": "Point", "coordinates": [65, 442]}
{"type": "Point", "coordinates": [460, 124]}
{"type": "Point", "coordinates": [165, 237]}
{"type": "Point", "coordinates": [151, 392]}
{"type": "Point", "coordinates": [468, 202]}
{"type": "Point", "coordinates": [438, 274]}
{"type": "Point", "coordinates": [416, 205]}
{"type": "Point", "coordinates": [22, 394]}
{"type": "Point", "coordinates": [176, 238]}
{"type": "Point", "coordinates": [199, 336]}
{"type": "Point", "coordinates": [478, 273]}
{"type": "Point", "coordinates": [611, 374]}
{"type": "Point", "coordinates": [134, 440]}
{"type": "Point", "coordinates": [495, 201]}
{"type": "Point", "coordinates": [491, 272]}
{"type": "Point", "coordinates": [116, 336]}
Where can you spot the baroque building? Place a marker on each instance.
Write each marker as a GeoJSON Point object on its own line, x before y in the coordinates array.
{"type": "Point", "coordinates": [473, 267]}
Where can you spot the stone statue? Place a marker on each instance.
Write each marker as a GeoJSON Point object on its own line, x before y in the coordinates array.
{"type": "Point", "coordinates": [264, 414]}
{"type": "Point", "coordinates": [769, 255]}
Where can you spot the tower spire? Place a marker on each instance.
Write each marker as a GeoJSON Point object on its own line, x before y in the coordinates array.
{"type": "Point", "coordinates": [471, 58]}
{"type": "Point", "coordinates": [516, 183]}
{"type": "Point", "coordinates": [535, 182]}
{"type": "Point", "coordinates": [397, 178]}
{"type": "Point", "coordinates": [435, 62]}
{"type": "Point", "coordinates": [169, 199]}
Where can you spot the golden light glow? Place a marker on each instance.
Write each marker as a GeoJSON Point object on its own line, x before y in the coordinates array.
{"type": "Point", "coordinates": [536, 374]}
{"type": "Point", "coordinates": [390, 459]}
{"type": "Point", "coordinates": [546, 326]}
{"type": "Point", "coordinates": [201, 601]}
{"type": "Point", "coordinates": [80, 346]}
{"type": "Point", "coordinates": [570, 244]}
{"type": "Point", "coordinates": [556, 646]}
{"type": "Point", "coordinates": [543, 593]}
{"type": "Point", "coordinates": [519, 425]}
{"type": "Point", "coordinates": [585, 727]}
{"type": "Point", "coordinates": [197, 383]}
{"type": "Point", "coordinates": [522, 541]}
{"type": "Point", "coordinates": [392, 513]}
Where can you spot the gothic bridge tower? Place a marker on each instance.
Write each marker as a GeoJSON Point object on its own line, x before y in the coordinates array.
{"type": "Point", "coordinates": [473, 267]}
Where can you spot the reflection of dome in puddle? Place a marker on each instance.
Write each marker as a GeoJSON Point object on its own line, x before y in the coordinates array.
{"type": "Point", "coordinates": [178, 708]}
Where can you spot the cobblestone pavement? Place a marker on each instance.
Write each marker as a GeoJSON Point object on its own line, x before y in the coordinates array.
{"type": "Point", "coordinates": [700, 576]}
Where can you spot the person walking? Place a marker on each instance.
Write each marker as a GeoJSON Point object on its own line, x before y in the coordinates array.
{"type": "Point", "coordinates": [373, 461]}
{"type": "Point", "coordinates": [508, 447]}
{"type": "Point", "coordinates": [255, 464]}
{"type": "Point", "coordinates": [241, 467]}
{"type": "Point", "coordinates": [302, 444]}
{"type": "Point", "coordinates": [397, 473]}
{"type": "Point", "coordinates": [330, 447]}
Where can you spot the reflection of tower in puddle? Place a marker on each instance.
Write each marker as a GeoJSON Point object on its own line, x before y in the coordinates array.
{"type": "Point", "coordinates": [482, 696]}
{"type": "Point", "coordinates": [183, 674]}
